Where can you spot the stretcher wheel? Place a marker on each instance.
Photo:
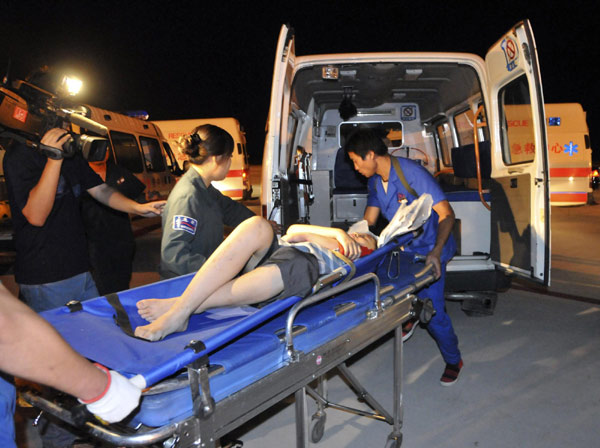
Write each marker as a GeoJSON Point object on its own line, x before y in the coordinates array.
{"type": "Point", "coordinates": [427, 311]}
{"type": "Point", "coordinates": [394, 441]}
{"type": "Point", "coordinates": [317, 426]}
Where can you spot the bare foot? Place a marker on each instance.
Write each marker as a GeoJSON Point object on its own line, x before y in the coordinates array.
{"type": "Point", "coordinates": [152, 309]}
{"type": "Point", "coordinates": [163, 326]}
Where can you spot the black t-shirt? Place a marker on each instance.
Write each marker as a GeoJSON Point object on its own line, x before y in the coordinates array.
{"type": "Point", "coordinates": [58, 249]}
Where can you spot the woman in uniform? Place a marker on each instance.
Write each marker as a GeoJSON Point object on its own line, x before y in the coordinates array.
{"type": "Point", "coordinates": [196, 212]}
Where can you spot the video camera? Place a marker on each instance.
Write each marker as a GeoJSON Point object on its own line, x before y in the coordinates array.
{"type": "Point", "coordinates": [27, 112]}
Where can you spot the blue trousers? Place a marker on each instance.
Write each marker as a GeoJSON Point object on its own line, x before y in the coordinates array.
{"type": "Point", "coordinates": [7, 412]}
{"type": "Point", "coordinates": [440, 326]}
{"type": "Point", "coordinates": [52, 295]}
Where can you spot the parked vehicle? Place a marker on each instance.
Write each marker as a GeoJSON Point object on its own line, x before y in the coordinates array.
{"type": "Point", "coordinates": [140, 147]}
{"type": "Point", "coordinates": [237, 184]}
{"type": "Point", "coordinates": [449, 111]}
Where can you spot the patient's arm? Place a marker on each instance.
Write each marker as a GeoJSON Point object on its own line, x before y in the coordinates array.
{"type": "Point", "coordinates": [328, 237]}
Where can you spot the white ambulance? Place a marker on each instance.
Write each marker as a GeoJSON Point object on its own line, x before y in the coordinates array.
{"type": "Point", "coordinates": [450, 112]}
{"type": "Point", "coordinates": [237, 184]}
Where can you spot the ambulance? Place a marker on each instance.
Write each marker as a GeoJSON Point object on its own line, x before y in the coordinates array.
{"type": "Point", "coordinates": [570, 153]}
{"type": "Point", "coordinates": [237, 184]}
{"type": "Point", "coordinates": [451, 112]}
{"type": "Point", "coordinates": [140, 147]}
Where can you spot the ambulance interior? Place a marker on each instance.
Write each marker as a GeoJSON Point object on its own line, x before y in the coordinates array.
{"type": "Point", "coordinates": [424, 110]}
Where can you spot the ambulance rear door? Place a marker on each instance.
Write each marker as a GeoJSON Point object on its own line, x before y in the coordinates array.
{"type": "Point", "coordinates": [520, 215]}
{"type": "Point", "coordinates": [275, 152]}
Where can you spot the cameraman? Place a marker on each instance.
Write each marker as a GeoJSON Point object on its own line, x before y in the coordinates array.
{"type": "Point", "coordinates": [52, 265]}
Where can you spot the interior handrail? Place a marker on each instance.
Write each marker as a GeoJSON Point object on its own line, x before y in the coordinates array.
{"type": "Point", "coordinates": [477, 125]}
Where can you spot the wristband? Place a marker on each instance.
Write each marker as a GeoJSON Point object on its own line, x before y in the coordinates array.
{"type": "Point", "coordinates": [107, 372]}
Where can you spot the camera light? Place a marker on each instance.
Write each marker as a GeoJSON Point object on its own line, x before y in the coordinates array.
{"type": "Point", "coordinates": [71, 85]}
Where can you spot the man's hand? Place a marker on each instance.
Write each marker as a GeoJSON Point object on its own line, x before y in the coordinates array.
{"type": "Point", "coordinates": [434, 257]}
{"type": "Point", "coordinates": [52, 143]}
{"type": "Point", "coordinates": [120, 397]}
{"type": "Point", "coordinates": [150, 209]}
{"type": "Point", "coordinates": [55, 138]}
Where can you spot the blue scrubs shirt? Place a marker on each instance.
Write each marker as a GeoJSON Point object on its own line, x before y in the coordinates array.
{"type": "Point", "coordinates": [388, 202]}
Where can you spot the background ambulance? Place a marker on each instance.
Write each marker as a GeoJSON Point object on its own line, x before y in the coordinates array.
{"type": "Point", "coordinates": [237, 184]}
{"type": "Point", "coordinates": [570, 154]}
{"type": "Point", "coordinates": [449, 111]}
{"type": "Point", "coordinates": [139, 147]}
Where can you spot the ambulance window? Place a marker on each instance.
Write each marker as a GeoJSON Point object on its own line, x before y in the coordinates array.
{"type": "Point", "coordinates": [464, 127]}
{"type": "Point", "coordinates": [171, 164]}
{"type": "Point", "coordinates": [152, 154]}
{"type": "Point", "coordinates": [518, 139]}
{"type": "Point", "coordinates": [390, 132]}
{"type": "Point", "coordinates": [127, 152]}
{"type": "Point", "coordinates": [445, 138]}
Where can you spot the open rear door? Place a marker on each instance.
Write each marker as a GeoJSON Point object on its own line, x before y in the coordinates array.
{"type": "Point", "coordinates": [520, 216]}
{"type": "Point", "coordinates": [282, 77]}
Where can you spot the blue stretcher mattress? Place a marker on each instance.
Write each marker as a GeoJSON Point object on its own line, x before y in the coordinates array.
{"type": "Point", "coordinates": [244, 341]}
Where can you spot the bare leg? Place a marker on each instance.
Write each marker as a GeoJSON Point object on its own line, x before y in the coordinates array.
{"type": "Point", "coordinates": [253, 236]}
{"type": "Point", "coordinates": [253, 287]}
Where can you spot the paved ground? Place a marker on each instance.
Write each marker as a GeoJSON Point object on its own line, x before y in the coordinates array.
{"type": "Point", "coordinates": [530, 380]}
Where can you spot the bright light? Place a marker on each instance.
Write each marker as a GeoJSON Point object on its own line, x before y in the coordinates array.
{"type": "Point", "coordinates": [570, 178]}
{"type": "Point", "coordinates": [71, 85]}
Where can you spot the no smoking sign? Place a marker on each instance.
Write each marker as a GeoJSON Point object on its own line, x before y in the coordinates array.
{"type": "Point", "coordinates": [511, 53]}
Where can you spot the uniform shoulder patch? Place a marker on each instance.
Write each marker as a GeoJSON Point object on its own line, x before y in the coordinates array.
{"type": "Point", "coordinates": [185, 223]}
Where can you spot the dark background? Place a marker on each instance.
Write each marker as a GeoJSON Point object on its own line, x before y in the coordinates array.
{"type": "Point", "coordinates": [195, 59]}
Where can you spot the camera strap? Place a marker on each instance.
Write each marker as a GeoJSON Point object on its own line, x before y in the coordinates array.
{"type": "Point", "coordinates": [51, 153]}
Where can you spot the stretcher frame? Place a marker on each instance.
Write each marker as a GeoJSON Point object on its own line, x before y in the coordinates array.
{"type": "Point", "coordinates": [391, 308]}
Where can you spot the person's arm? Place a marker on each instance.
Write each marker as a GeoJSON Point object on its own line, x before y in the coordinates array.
{"type": "Point", "coordinates": [177, 254]}
{"type": "Point", "coordinates": [234, 212]}
{"type": "Point", "coordinates": [445, 224]}
{"type": "Point", "coordinates": [373, 208]}
{"type": "Point", "coordinates": [41, 197]}
{"type": "Point", "coordinates": [371, 215]}
{"type": "Point", "coordinates": [32, 349]}
{"type": "Point", "coordinates": [113, 199]}
{"type": "Point", "coordinates": [328, 237]}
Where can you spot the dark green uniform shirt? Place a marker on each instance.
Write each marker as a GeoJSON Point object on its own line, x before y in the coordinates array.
{"type": "Point", "coordinates": [193, 224]}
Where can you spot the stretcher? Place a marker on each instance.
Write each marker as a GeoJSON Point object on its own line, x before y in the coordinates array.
{"type": "Point", "coordinates": [231, 364]}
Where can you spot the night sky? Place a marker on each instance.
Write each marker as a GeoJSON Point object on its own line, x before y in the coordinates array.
{"type": "Point", "coordinates": [184, 59]}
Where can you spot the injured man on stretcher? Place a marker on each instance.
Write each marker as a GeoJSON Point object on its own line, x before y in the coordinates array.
{"type": "Point", "coordinates": [253, 267]}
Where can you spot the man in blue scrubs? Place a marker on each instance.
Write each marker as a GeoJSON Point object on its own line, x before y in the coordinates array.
{"type": "Point", "coordinates": [394, 180]}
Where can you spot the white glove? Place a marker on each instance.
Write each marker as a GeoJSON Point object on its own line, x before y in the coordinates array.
{"type": "Point", "coordinates": [121, 396]}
